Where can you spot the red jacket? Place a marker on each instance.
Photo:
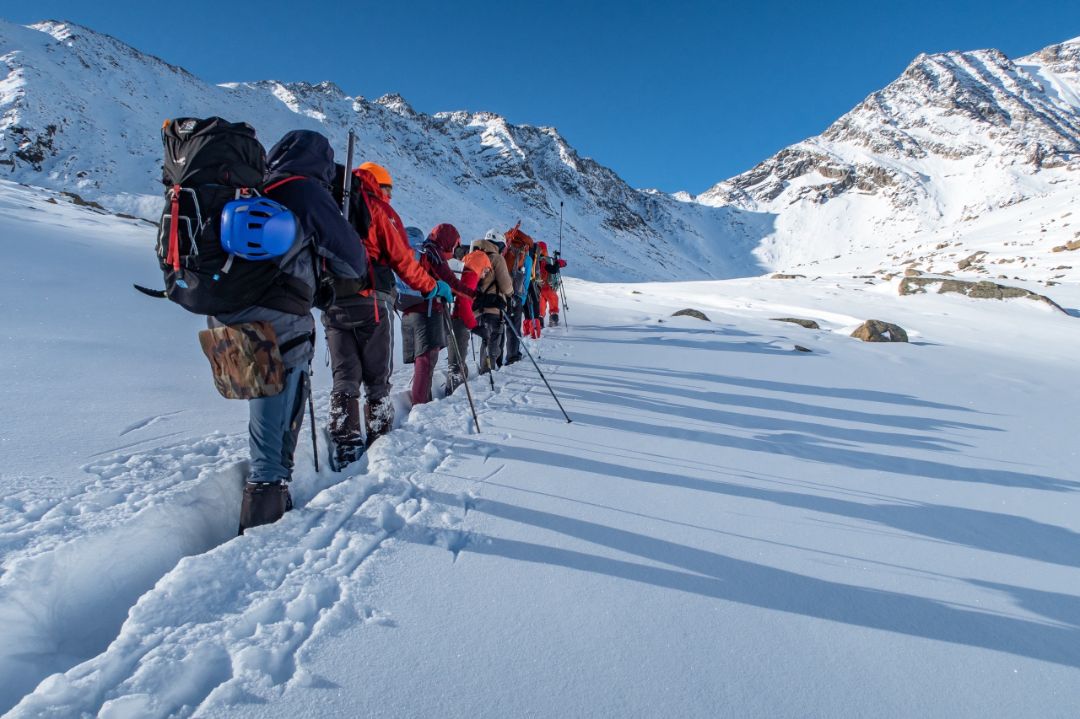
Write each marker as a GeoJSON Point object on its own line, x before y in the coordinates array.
{"type": "Point", "coordinates": [386, 243]}
{"type": "Point", "coordinates": [463, 309]}
{"type": "Point", "coordinates": [438, 248]}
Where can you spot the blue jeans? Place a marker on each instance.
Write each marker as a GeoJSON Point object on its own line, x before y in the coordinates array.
{"type": "Point", "coordinates": [274, 427]}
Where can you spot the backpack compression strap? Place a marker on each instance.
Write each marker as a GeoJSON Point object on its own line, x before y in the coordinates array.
{"type": "Point", "coordinates": [173, 256]}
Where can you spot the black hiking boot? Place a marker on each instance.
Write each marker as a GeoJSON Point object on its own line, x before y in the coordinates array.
{"type": "Point", "coordinates": [342, 454]}
{"type": "Point", "coordinates": [264, 503]}
{"type": "Point", "coordinates": [378, 418]}
{"type": "Point", "coordinates": [554, 319]}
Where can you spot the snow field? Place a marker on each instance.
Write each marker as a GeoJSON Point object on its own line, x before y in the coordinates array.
{"type": "Point", "coordinates": [728, 527]}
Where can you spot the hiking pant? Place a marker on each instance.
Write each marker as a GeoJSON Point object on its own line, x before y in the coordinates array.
{"type": "Point", "coordinates": [457, 370]}
{"type": "Point", "coordinates": [513, 347]}
{"type": "Point", "coordinates": [532, 303]}
{"type": "Point", "coordinates": [423, 371]}
{"type": "Point", "coordinates": [492, 330]}
{"type": "Point", "coordinates": [549, 301]}
{"type": "Point", "coordinates": [274, 426]}
{"type": "Point", "coordinates": [361, 349]}
{"type": "Point", "coordinates": [423, 335]}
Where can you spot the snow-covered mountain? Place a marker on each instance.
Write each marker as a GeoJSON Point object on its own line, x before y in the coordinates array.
{"type": "Point", "coordinates": [81, 112]}
{"type": "Point", "coordinates": [960, 146]}
{"type": "Point", "coordinates": [957, 138]}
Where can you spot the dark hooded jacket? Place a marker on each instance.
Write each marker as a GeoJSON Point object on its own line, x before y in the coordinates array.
{"type": "Point", "coordinates": [307, 155]}
{"type": "Point", "coordinates": [301, 166]}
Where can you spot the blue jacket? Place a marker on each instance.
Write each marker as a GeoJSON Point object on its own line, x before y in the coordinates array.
{"type": "Point", "coordinates": [527, 268]}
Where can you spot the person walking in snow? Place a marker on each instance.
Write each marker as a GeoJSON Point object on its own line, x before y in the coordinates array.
{"type": "Point", "coordinates": [492, 295]}
{"type": "Point", "coordinates": [519, 262]}
{"type": "Point", "coordinates": [550, 279]}
{"type": "Point", "coordinates": [532, 323]}
{"type": "Point", "coordinates": [475, 266]}
{"type": "Point", "coordinates": [423, 334]}
{"type": "Point", "coordinates": [359, 324]}
{"type": "Point", "coordinates": [300, 170]}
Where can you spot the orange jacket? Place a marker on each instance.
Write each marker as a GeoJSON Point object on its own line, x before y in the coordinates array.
{"type": "Point", "coordinates": [386, 243]}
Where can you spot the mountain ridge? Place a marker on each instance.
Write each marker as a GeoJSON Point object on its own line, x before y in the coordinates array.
{"type": "Point", "coordinates": [959, 139]}
{"type": "Point", "coordinates": [81, 112]}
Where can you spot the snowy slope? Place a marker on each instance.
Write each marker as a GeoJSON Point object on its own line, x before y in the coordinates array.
{"type": "Point", "coordinates": [958, 140]}
{"type": "Point", "coordinates": [81, 111]}
{"type": "Point", "coordinates": [728, 528]}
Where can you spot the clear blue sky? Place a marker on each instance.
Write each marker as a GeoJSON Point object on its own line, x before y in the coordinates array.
{"type": "Point", "coordinates": [674, 95]}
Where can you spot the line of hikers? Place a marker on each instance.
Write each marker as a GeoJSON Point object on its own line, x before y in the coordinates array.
{"type": "Point", "coordinates": [299, 231]}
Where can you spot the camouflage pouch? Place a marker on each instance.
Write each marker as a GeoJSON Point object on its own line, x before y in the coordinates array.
{"type": "Point", "coordinates": [245, 360]}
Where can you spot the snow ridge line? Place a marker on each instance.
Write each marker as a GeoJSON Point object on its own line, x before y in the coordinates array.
{"type": "Point", "coordinates": [226, 623]}
{"type": "Point", "coordinates": [73, 565]}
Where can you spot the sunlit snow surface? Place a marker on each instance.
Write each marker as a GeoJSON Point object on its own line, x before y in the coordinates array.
{"type": "Point", "coordinates": [729, 527]}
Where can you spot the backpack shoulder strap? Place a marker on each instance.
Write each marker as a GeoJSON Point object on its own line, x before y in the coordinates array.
{"type": "Point", "coordinates": [281, 182]}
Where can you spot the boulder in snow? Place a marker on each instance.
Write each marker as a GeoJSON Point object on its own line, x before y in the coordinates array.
{"type": "Point", "coordinates": [697, 314]}
{"type": "Point", "coordinates": [808, 324]}
{"type": "Point", "coordinates": [984, 289]}
{"type": "Point", "coordinates": [878, 331]}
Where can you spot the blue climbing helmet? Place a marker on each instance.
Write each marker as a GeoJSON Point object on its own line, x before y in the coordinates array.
{"type": "Point", "coordinates": [257, 228]}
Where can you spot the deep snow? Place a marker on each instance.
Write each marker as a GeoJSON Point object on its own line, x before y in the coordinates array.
{"type": "Point", "coordinates": [728, 528]}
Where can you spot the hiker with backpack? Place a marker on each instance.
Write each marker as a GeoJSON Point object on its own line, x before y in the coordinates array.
{"type": "Point", "coordinates": [533, 322]}
{"type": "Point", "coordinates": [492, 296]}
{"type": "Point", "coordinates": [423, 331]}
{"type": "Point", "coordinates": [359, 324]}
{"type": "Point", "coordinates": [519, 263]}
{"type": "Point", "coordinates": [550, 281]}
{"type": "Point", "coordinates": [250, 264]}
{"type": "Point", "coordinates": [474, 266]}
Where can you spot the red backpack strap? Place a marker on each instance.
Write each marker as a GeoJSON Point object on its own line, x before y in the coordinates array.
{"type": "Point", "coordinates": [172, 257]}
{"type": "Point", "coordinates": [279, 183]}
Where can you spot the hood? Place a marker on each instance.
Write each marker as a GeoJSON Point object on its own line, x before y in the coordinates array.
{"type": "Point", "coordinates": [302, 152]}
{"type": "Point", "coordinates": [370, 184]}
{"type": "Point", "coordinates": [445, 237]}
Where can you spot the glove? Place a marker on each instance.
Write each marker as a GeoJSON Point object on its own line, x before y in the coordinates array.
{"type": "Point", "coordinates": [441, 292]}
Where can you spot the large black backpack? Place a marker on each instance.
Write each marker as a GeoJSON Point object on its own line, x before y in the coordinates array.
{"type": "Point", "coordinates": [207, 164]}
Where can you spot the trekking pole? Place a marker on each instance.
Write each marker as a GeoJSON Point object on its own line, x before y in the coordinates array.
{"type": "Point", "coordinates": [311, 410]}
{"type": "Point", "coordinates": [346, 188]}
{"type": "Point", "coordinates": [539, 371]}
{"type": "Point", "coordinates": [560, 226]}
{"type": "Point", "coordinates": [460, 361]}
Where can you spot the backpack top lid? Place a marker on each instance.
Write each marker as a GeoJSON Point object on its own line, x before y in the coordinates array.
{"type": "Point", "coordinates": [517, 239]}
{"type": "Point", "coordinates": [416, 237]}
{"type": "Point", "coordinates": [211, 151]}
